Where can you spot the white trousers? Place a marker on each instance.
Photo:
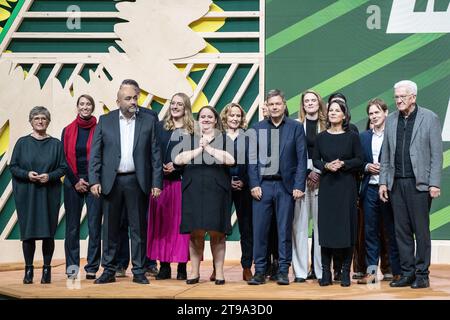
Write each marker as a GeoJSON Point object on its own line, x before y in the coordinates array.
{"type": "Point", "coordinates": [305, 208]}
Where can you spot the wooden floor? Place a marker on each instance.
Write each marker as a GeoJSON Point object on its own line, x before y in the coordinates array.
{"type": "Point", "coordinates": [234, 289]}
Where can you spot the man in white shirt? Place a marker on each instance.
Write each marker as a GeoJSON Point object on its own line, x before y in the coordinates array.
{"type": "Point", "coordinates": [377, 214]}
{"type": "Point", "coordinates": [125, 166]}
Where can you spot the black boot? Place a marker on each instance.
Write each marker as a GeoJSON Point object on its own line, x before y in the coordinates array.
{"type": "Point", "coordinates": [29, 273]}
{"type": "Point", "coordinates": [347, 255]}
{"type": "Point", "coordinates": [326, 267]}
{"type": "Point", "coordinates": [164, 271]}
{"type": "Point", "coordinates": [345, 279]}
{"type": "Point", "coordinates": [181, 271]}
{"type": "Point", "coordinates": [46, 274]}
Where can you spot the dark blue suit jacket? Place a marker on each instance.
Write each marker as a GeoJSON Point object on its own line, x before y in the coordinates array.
{"type": "Point", "coordinates": [148, 111]}
{"type": "Point", "coordinates": [366, 142]}
{"type": "Point", "coordinates": [293, 159]}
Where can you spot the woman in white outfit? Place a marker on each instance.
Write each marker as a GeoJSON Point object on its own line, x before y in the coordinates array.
{"type": "Point", "coordinates": [312, 116]}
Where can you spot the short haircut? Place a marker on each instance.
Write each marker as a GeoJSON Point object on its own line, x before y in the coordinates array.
{"type": "Point", "coordinates": [410, 85]}
{"type": "Point", "coordinates": [37, 111]}
{"type": "Point", "coordinates": [130, 82]}
{"type": "Point", "coordinates": [377, 102]}
{"type": "Point", "coordinates": [227, 109]}
{"type": "Point", "coordinates": [274, 93]}
{"type": "Point", "coordinates": [88, 97]}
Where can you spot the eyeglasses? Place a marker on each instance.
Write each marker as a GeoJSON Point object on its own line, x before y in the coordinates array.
{"type": "Point", "coordinates": [403, 98]}
{"type": "Point", "coordinates": [37, 119]}
{"type": "Point", "coordinates": [173, 103]}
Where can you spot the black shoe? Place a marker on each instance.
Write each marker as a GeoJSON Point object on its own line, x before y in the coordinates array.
{"type": "Point", "coordinates": [326, 279]}
{"type": "Point", "coordinates": [257, 279]}
{"type": "Point", "coordinates": [337, 276]}
{"type": "Point", "coordinates": [164, 272]}
{"type": "Point", "coordinates": [283, 279]}
{"type": "Point", "coordinates": [405, 281]}
{"type": "Point", "coordinates": [181, 275]}
{"type": "Point", "coordinates": [46, 275]}
{"type": "Point", "coordinates": [90, 275]}
{"type": "Point", "coordinates": [219, 282]}
{"type": "Point", "coordinates": [181, 271]}
{"type": "Point", "coordinates": [29, 274]}
{"type": "Point", "coordinates": [300, 280]}
{"type": "Point", "coordinates": [193, 281]}
{"type": "Point", "coordinates": [311, 275]}
{"type": "Point", "coordinates": [420, 283]}
{"type": "Point", "coordinates": [105, 278]}
{"type": "Point", "coordinates": [140, 278]}
{"type": "Point", "coordinates": [345, 279]}
{"type": "Point", "coordinates": [151, 271]}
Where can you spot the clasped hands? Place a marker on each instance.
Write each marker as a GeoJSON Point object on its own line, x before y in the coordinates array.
{"type": "Point", "coordinates": [334, 165]}
{"type": "Point", "coordinates": [168, 168]}
{"type": "Point", "coordinates": [36, 177]}
{"type": "Point", "coordinates": [204, 144]}
{"type": "Point", "coordinates": [312, 181]}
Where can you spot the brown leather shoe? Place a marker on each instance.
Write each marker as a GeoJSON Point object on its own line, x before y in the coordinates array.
{"type": "Point", "coordinates": [368, 278]}
{"type": "Point", "coordinates": [247, 274]}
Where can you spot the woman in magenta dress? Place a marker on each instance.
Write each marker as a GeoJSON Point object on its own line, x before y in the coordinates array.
{"type": "Point", "coordinates": [165, 243]}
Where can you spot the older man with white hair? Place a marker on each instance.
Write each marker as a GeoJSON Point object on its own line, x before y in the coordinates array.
{"type": "Point", "coordinates": [410, 177]}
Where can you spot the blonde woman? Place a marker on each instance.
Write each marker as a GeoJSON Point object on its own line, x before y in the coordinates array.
{"type": "Point", "coordinates": [165, 242]}
{"type": "Point", "coordinates": [314, 122]}
{"type": "Point", "coordinates": [234, 123]}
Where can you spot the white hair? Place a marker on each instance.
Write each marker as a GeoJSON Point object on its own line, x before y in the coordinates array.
{"type": "Point", "coordinates": [410, 85]}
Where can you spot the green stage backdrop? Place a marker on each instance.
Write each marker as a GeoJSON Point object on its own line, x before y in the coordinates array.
{"type": "Point", "coordinates": [322, 44]}
{"type": "Point", "coordinates": [362, 48]}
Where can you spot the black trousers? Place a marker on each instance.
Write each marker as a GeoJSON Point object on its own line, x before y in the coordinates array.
{"type": "Point", "coordinates": [412, 218]}
{"type": "Point", "coordinates": [125, 192]}
{"type": "Point", "coordinates": [123, 251]}
{"type": "Point", "coordinates": [242, 200]}
{"type": "Point", "coordinates": [73, 205]}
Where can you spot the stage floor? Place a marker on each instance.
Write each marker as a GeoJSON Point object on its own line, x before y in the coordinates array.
{"type": "Point", "coordinates": [235, 289]}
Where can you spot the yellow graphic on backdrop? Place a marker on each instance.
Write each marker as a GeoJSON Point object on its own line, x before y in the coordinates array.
{"type": "Point", "coordinates": [5, 11]}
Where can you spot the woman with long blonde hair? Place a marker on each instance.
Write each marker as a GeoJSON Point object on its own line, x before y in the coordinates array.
{"type": "Point", "coordinates": [312, 116]}
{"type": "Point", "coordinates": [165, 242]}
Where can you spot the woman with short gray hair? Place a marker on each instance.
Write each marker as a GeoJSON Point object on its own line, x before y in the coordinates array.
{"type": "Point", "coordinates": [37, 165]}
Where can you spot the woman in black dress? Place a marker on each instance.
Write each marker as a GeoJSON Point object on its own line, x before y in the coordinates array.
{"type": "Point", "coordinates": [37, 165]}
{"type": "Point", "coordinates": [338, 154]}
{"type": "Point", "coordinates": [206, 192]}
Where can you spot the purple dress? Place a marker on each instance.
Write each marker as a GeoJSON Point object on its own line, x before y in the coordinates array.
{"type": "Point", "coordinates": [164, 240]}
